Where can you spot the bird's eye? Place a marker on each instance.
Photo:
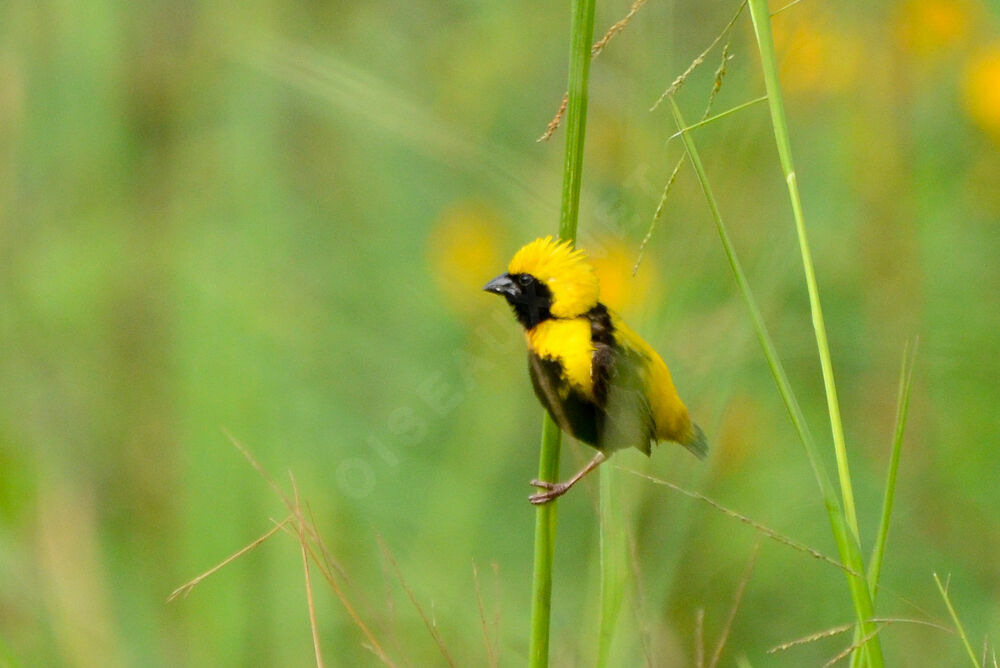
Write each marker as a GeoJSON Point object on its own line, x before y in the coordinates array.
{"type": "Point", "coordinates": [524, 279]}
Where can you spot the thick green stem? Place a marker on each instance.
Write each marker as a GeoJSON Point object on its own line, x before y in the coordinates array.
{"type": "Point", "coordinates": [545, 538]}
{"type": "Point", "coordinates": [581, 36]}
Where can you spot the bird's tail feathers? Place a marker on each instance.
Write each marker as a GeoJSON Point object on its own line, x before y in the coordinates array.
{"type": "Point", "coordinates": [696, 442]}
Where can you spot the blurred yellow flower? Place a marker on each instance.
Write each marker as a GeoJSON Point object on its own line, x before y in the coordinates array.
{"type": "Point", "coordinates": [613, 261]}
{"type": "Point", "coordinates": [927, 27]}
{"type": "Point", "coordinates": [607, 142]}
{"type": "Point", "coordinates": [463, 251]}
{"type": "Point", "coordinates": [742, 417]}
{"type": "Point", "coordinates": [816, 57]}
{"type": "Point", "coordinates": [981, 89]}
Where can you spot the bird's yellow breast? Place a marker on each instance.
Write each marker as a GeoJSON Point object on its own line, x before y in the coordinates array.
{"type": "Point", "coordinates": [566, 341]}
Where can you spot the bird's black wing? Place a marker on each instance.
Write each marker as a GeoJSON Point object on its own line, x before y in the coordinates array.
{"type": "Point", "coordinates": [573, 412]}
{"type": "Point", "coordinates": [619, 414]}
{"type": "Point", "coordinates": [624, 417]}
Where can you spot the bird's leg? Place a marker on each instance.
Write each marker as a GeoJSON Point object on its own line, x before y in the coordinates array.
{"type": "Point", "coordinates": [556, 489]}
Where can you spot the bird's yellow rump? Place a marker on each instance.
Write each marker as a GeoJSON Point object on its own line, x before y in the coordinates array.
{"type": "Point", "coordinates": [598, 379]}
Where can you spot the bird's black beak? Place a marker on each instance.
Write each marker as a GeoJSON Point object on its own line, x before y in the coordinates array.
{"type": "Point", "coordinates": [503, 285]}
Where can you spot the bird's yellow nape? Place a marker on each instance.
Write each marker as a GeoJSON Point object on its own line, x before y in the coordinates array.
{"type": "Point", "coordinates": [564, 270]}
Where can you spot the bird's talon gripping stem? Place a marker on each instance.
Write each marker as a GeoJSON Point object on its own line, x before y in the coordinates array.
{"type": "Point", "coordinates": [555, 490]}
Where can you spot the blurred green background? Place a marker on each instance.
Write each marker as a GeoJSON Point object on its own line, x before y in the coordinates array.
{"type": "Point", "coordinates": [274, 218]}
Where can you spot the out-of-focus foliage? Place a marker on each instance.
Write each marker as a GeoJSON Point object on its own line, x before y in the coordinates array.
{"type": "Point", "coordinates": [274, 218]}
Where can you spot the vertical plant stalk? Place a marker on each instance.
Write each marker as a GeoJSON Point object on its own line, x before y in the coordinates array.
{"type": "Point", "coordinates": [871, 649]}
{"type": "Point", "coordinates": [545, 538]}
{"type": "Point", "coordinates": [613, 570]}
{"type": "Point", "coordinates": [581, 36]}
{"type": "Point", "coordinates": [765, 42]}
{"type": "Point", "coordinates": [847, 546]}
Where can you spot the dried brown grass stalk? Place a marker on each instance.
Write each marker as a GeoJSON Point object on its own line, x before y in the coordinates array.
{"type": "Point", "coordinates": [854, 645]}
{"type": "Point", "coordinates": [679, 81]}
{"type": "Point", "coordinates": [638, 600]}
{"type": "Point", "coordinates": [699, 638]}
{"type": "Point", "coordinates": [186, 588]}
{"type": "Point", "coordinates": [492, 655]}
{"type": "Point", "coordinates": [737, 599]}
{"type": "Point", "coordinates": [307, 536]}
{"type": "Point", "coordinates": [304, 548]}
{"type": "Point", "coordinates": [594, 52]}
{"type": "Point", "coordinates": [431, 626]}
{"type": "Point", "coordinates": [836, 630]}
{"type": "Point", "coordinates": [766, 531]}
{"type": "Point", "coordinates": [615, 29]}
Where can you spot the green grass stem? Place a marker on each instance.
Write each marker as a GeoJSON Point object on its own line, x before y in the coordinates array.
{"type": "Point", "coordinates": [760, 14]}
{"type": "Point", "coordinates": [958, 624]}
{"type": "Point", "coordinates": [847, 545]}
{"type": "Point", "coordinates": [581, 36]}
{"type": "Point", "coordinates": [708, 120]}
{"type": "Point", "coordinates": [770, 352]}
{"type": "Point", "coordinates": [902, 409]}
{"type": "Point", "coordinates": [613, 570]}
{"type": "Point", "coordinates": [769, 64]}
{"type": "Point", "coordinates": [545, 537]}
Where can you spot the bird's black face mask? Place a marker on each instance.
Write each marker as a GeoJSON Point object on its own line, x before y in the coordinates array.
{"type": "Point", "coordinates": [530, 298]}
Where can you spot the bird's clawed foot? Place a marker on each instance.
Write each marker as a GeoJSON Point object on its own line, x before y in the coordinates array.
{"type": "Point", "coordinates": [553, 491]}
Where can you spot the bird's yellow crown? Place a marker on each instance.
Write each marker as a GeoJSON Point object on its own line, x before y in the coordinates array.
{"type": "Point", "coordinates": [564, 270]}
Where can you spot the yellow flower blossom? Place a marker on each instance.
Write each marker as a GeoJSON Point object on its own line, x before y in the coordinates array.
{"type": "Point", "coordinates": [981, 89]}
{"type": "Point", "coordinates": [928, 27]}
{"type": "Point", "coordinates": [462, 249]}
{"type": "Point", "coordinates": [613, 261]}
{"type": "Point", "coordinates": [816, 57]}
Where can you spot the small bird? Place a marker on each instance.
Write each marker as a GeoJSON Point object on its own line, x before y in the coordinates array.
{"type": "Point", "coordinates": [598, 379]}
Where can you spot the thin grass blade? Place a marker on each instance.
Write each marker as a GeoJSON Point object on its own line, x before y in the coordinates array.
{"type": "Point", "coordinates": [769, 65]}
{"type": "Point", "coordinates": [718, 117]}
{"type": "Point", "coordinates": [902, 409]}
{"type": "Point", "coordinates": [847, 544]}
{"type": "Point", "coordinates": [958, 624]}
{"type": "Point", "coordinates": [613, 570]}
{"type": "Point", "coordinates": [871, 651]}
